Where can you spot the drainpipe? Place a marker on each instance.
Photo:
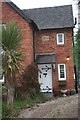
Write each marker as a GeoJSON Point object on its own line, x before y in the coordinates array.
{"type": "Point", "coordinates": [75, 79]}
{"type": "Point", "coordinates": [35, 28]}
{"type": "Point", "coordinates": [34, 45]}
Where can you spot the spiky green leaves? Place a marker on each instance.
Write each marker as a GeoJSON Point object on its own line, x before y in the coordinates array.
{"type": "Point", "coordinates": [11, 41]}
{"type": "Point", "coordinates": [11, 36]}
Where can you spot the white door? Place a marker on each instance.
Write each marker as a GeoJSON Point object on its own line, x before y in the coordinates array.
{"type": "Point", "coordinates": [45, 77]}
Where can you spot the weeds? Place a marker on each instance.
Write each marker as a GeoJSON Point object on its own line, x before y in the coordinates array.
{"type": "Point", "coordinates": [20, 103]}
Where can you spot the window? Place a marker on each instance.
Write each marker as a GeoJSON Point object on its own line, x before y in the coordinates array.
{"type": "Point", "coordinates": [60, 38]}
{"type": "Point", "coordinates": [62, 71]}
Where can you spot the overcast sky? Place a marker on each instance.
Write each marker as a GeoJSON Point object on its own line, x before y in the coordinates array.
{"type": "Point", "coordinates": [26, 4]}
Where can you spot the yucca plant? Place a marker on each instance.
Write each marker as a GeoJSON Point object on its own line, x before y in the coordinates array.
{"type": "Point", "coordinates": [11, 57]}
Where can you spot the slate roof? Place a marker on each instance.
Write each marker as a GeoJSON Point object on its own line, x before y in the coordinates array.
{"type": "Point", "coordinates": [45, 59]}
{"type": "Point", "coordinates": [51, 17]}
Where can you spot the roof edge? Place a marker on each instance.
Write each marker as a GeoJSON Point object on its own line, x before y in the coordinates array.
{"type": "Point", "coordinates": [57, 28]}
{"type": "Point", "coordinates": [47, 7]}
{"type": "Point", "coordinates": [18, 10]}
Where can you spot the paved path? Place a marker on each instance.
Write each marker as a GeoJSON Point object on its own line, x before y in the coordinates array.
{"type": "Point", "coordinates": [66, 107]}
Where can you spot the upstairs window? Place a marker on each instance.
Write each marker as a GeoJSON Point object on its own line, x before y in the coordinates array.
{"type": "Point", "coordinates": [62, 71]}
{"type": "Point", "coordinates": [60, 38]}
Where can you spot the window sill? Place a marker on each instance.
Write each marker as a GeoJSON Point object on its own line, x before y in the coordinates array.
{"type": "Point", "coordinates": [61, 80]}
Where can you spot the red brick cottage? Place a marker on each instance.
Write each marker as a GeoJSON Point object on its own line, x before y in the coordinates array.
{"type": "Point", "coordinates": [47, 41]}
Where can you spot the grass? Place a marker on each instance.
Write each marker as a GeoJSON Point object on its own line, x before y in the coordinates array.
{"type": "Point", "coordinates": [19, 104]}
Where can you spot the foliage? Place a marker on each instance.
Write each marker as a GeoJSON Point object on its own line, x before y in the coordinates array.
{"type": "Point", "coordinates": [11, 41]}
{"type": "Point", "coordinates": [11, 57]}
{"type": "Point", "coordinates": [79, 2]}
{"type": "Point", "coordinates": [4, 89]}
{"type": "Point", "coordinates": [78, 49]}
{"type": "Point", "coordinates": [62, 84]}
{"type": "Point", "coordinates": [19, 104]}
{"type": "Point", "coordinates": [76, 52]}
{"type": "Point", "coordinates": [78, 41]}
{"type": "Point", "coordinates": [1, 73]}
{"type": "Point", "coordinates": [29, 82]}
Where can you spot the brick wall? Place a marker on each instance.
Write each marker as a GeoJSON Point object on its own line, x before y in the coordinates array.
{"type": "Point", "coordinates": [61, 52]}
{"type": "Point", "coordinates": [9, 14]}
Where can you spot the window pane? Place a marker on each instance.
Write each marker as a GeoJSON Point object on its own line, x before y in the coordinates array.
{"type": "Point", "coordinates": [61, 67]}
{"type": "Point", "coordinates": [62, 74]}
{"type": "Point", "coordinates": [59, 37]}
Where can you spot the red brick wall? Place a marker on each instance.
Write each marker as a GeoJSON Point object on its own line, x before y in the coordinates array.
{"type": "Point", "coordinates": [61, 52]}
{"type": "Point", "coordinates": [9, 14]}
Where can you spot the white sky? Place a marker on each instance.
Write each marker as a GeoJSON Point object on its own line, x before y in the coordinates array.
{"type": "Point", "coordinates": [26, 4]}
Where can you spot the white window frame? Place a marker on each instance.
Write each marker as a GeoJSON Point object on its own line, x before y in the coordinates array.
{"type": "Point", "coordinates": [59, 72]}
{"type": "Point", "coordinates": [60, 43]}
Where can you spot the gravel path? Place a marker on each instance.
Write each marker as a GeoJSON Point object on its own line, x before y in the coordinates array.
{"type": "Point", "coordinates": [66, 107]}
